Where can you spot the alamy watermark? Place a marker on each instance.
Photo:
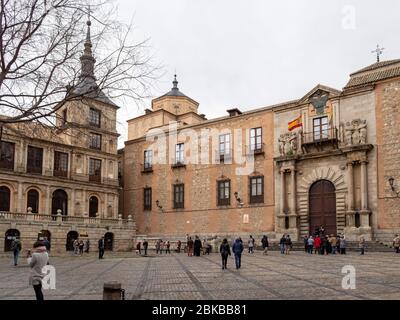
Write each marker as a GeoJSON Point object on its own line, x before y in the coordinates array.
{"type": "Point", "coordinates": [49, 279]}
{"type": "Point", "coordinates": [349, 280]}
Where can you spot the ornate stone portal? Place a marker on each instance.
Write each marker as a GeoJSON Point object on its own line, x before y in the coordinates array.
{"type": "Point", "coordinates": [288, 143]}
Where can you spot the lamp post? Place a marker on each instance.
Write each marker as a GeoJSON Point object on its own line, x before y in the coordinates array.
{"type": "Point", "coordinates": [391, 183]}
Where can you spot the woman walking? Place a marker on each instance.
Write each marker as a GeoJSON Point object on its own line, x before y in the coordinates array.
{"type": "Point", "coordinates": [225, 250]}
{"type": "Point", "coordinates": [39, 259]}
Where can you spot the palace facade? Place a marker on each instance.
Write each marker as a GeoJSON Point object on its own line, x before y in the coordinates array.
{"type": "Point", "coordinates": [330, 158]}
{"type": "Point", "coordinates": [62, 182]}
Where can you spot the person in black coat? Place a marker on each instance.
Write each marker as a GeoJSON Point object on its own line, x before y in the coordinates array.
{"type": "Point", "coordinates": [237, 249]}
{"type": "Point", "coordinates": [197, 246]}
{"type": "Point", "coordinates": [225, 250]}
{"type": "Point", "coordinates": [101, 248]}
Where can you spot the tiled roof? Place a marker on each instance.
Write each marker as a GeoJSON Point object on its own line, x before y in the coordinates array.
{"type": "Point", "coordinates": [374, 73]}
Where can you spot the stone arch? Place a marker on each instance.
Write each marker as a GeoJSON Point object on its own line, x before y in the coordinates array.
{"type": "Point", "coordinates": [334, 175]}
{"type": "Point", "coordinates": [100, 203]}
{"type": "Point", "coordinates": [41, 196]}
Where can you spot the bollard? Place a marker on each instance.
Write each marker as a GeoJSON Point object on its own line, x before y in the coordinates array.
{"type": "Point", "coordinates": [112, 291]}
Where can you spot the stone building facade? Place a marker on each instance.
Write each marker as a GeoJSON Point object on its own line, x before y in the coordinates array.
{"type": "Point", "coordinates": [332, 169]}
{"type": "Point", "coordinates": [62, 182]}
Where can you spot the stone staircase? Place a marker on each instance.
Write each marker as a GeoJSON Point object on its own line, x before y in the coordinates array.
{"type": "Point", "coordinates": [371, 246]}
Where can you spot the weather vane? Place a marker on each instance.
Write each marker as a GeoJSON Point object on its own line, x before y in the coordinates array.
{"type": "Point", "coordinates": [378, 52]}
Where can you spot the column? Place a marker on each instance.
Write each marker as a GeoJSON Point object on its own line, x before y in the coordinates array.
{"type": "Point", "coordinates": [20, 203]}
{"type": "Point", "coordinates": [293, 212]}
{"type": "Point", "coordinates": [48, 201]}
{"type": "Point", "coordinates": [283, 191]}
{"type": "Point", "coordinates": [71, 209]}
{"type": "Point", "coordinates": [104, 213]}
{"type": "Point", "coordinates": [350, 194]}
{"type": "Point", "coordinates": [364, 213]}
{"type": "Point", "coordinates": [364, 186]}
{"type": "Point", "coordinates": [116, 211]}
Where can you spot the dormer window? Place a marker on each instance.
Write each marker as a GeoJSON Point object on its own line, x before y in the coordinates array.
{"type": "Point", "coordinates": [94, 117]}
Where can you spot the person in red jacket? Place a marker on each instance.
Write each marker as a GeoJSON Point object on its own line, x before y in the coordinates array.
{"type": "Point", "coordinates": [317, 245]}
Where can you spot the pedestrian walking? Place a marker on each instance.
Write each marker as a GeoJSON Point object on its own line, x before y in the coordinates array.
{"type": "Point", "coordinates": [265, 244]}
{"type": "Point", "coordinates": [190, 244]}
{"type": "Point", "coordinates": [288, 244]}
{"type": "Point", "coordinates": [282, 242]}
{"type": "Point", "coordinates": [138, 248]}
{"type": "Point", "coordinates": [39, 259]}
{"type": "Point", "coordinates": [197, 246]}
{"type": "Point", "coordinates": [310, 242]}
{"type": "Point", "coordinates": [178, 246]}
{"type": "Point", "coordinates": [81, 245]}
{"type": "Point", "coordinates": [145, 245]}
{"type": "Point", "coordinates": [87, 245]}
{"type": "Point", "coordinates": [225, 250]}
{"type": "Point", "coordinates": [167, 245]}
{"type": "Point", "coordinates": [251, 244]}
{"type": "Point", "coordinates": [101, 247]}
{"type": "Point", "coordinates": [305, 241]}
{"type": "Point", "coordinates": [343, 244]}
{"type": "Point", "coordinates": [162, 246]}
{"type": "Point", "coordinates": [361, 245]}
{"type": "Point", "coordinates": [16, 248]}
{"type": "Point", "coordinates": [158, 246]}
{"type": "Point", "coordinates": [237, 250]}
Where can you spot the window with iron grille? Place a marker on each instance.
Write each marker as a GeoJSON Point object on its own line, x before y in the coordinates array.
{"type": "Point", "coordinates": [148, 159]}
{"type": "Point", "coordinates": [94, 117]}
{"type": "Point", "coordinates": [7, 152]}
{"type": "Point", "coordinates": [179, 153]}
{"type": "Point", "coordinates": [321, 128]}
{"type": "Point", "coordinates": [95, 141]}
{"type": "Point", "coordinates": [257, 189]}
{"type": "Point", "coordinates": [147, 199]}
{"type": "Point", "coordinates": [256, 139]}
{"type": "Point", "coordinates": [35, 160]}
{"type": "Point", "coordinates": [224, 192]}
{"type": "Point", "coordinates": [224, 144]}
{"type": "Point", "coordinates": [60, 164]}
{"type": "Point", "coordinates": [179, 196]}
{"type": "Point", "coordinates": [95, 170]}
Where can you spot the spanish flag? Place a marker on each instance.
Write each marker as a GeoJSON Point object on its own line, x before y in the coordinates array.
{"type": "Point", "coordinates": [296, 123]}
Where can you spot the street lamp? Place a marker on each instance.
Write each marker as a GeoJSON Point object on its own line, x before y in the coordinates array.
{"type": "Point", "coordinates": [236, 194]}
{"type": "Point", "coordinates": [391, 183]}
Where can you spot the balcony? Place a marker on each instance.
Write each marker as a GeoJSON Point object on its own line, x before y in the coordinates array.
{"type": "Point", "coordinates": [256, 149]}
{"type": "Point", "coordinates": [147, 168]}
{"type": "Point", "coordinates": [64, 219]}
{"type": "Point", "coordinates": [94, 178]}
{"type": "Point", "coordinates": [320, 139]}
{"type": "Point", "coordinates": [178, 164]}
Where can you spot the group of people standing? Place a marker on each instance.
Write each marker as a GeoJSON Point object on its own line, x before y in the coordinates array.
{"type": "Point", "coordinates": [81, 246]}
{"type": "Point", "coordinates": [324, 244]}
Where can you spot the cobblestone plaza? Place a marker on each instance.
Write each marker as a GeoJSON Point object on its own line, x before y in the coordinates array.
{"type": "Point", "coordinates": [177, 276]}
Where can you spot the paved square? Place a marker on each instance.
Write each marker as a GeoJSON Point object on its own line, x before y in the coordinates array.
{"type": "Point", "coordinates": [177, 276]}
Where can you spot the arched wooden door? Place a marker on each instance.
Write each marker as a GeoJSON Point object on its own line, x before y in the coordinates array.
{"type": "Point", "coordinates": [93, 206]}
{"type": "Point", "coordinates": [109, 241]}
{"type": "Point", "coordinates": [322, 210]}
{"type": "Point", "coordinates": [71, 237]}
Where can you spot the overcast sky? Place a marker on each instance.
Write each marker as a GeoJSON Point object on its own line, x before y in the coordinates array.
{"type": "Point", "coordinates": [248, 54]}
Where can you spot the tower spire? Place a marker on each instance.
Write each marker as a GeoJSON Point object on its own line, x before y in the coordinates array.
{"type": "Point", "coordinates": [87, 59]}
{"type": "Point", "coordinates": [175, 83]}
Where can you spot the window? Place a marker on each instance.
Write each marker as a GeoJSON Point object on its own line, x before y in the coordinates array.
{"type": "Point", "coordinates": [224, 193]}
{"type": "Point", "coordinates": [33, 200]}
{"type": "Point", "coordinates": [148, 159]}
{"type": "Point", "coordinates": [95, 141]}
{"type": "Point", "coordinates": [257, 189]}
{"type": "Point", "coordinates": [60, 164]}
{"type": "Point", "coordinates": [64, 116]}
{"type": "Point", "coordinates": [179, 153]}
{"type": "Point", "coordinates": [94, 117]}
{"type": "Point", "coordinates": [179, 196]}
{"type": "Point", "coordinates": [93, 207]}
{"type": "Point", "coordinates": [7, 151]}
{"type": "Point", "coordinates": [224, 144]}
{"type": "Point", "coordinates": [5, 196]}
{"type": "Point", "coordinates": [321, 128]}
{"type": "Point", "coordinates": [95, 170]}
{"type": "Point", "coordinates": [147, 199]}
{"type": "Point", "coordinates": [35, 160]}
{"type": "Point", "coordinates": [256, 139]}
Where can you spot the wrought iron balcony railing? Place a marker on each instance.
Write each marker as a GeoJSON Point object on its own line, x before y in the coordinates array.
{"type": "Point", "coordinates": [317, 137]}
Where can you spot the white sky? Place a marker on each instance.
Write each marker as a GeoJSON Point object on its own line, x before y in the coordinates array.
{"type": "Point", "coordinates": [248, 54]}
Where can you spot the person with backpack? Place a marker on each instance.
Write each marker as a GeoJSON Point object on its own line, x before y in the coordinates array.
{"type": "Point", "coordinates": [16, 248]}
{"type": "Point", "coordinates": [237, 250]}
{"type": "Point", "coordinates": [225, 250]}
